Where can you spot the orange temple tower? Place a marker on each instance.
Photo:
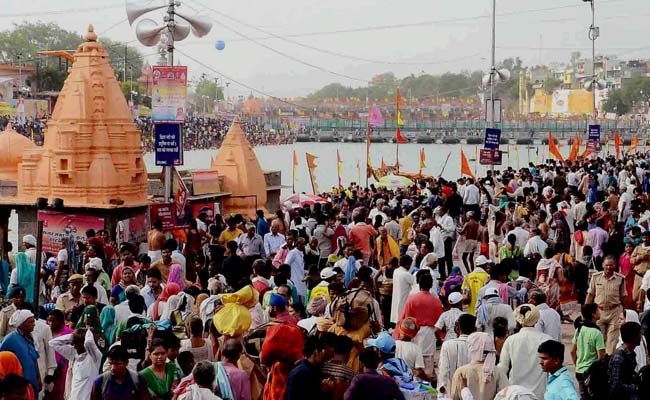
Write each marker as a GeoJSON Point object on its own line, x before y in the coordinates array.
{"type": "Point", "coordinates": [242, 174]}
{"type": "Point", "coordinates": [92, 155]}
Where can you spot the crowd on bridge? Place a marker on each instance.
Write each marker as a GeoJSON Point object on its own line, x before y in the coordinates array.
{"type": "Point", "coordinates": [516, 285]}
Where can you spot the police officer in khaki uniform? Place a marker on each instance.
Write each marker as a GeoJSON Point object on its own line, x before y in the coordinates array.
{"type": "Point", "coordinates": [641, 260]}
{"type": "Point", "coordinates": [69, 300]}
{"type": "Point", "coordinates": [607, 290]}
{"type": "Point", "coordinates": [16, 298]}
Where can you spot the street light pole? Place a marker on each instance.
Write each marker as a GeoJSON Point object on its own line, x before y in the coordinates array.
{"type": "Point", "coordinates": [594, 32]}
{"type": "Point", "coordinates": [493, 65]}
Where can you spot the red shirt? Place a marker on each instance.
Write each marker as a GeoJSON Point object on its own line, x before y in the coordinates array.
{"type": "Point", "coordinates": [424, 307]}
{"type": "Point", "coordinates": [360, 236]}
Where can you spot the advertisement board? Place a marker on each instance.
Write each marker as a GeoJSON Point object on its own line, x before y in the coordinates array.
{"type": "Point", "coordinates": [132, 230]}
{"type": "Point", "coordinates": [490, 157]}
{"type": "Point", "coordinates": [166, 213]}
{"type": "Point", "coordinates": [169, 93]}
{"type": "Point", "coordinates": [492, 138]}
{"type": "Point", "coordinates": [58, 226]}
{"type": "Point", "coordinates": [168, 144]}
{"type": "Point", "coordinates": [593, 144]}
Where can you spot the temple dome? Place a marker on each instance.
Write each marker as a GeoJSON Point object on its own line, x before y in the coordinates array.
{"type": "Point", "coordinates": [12, 144]}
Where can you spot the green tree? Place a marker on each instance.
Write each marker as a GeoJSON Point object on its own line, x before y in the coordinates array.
{"type": "Point", "coordinates": [50, 77]}
{"type": "Point", "coordinates": [206, 94]}
{"type": "Point", "coordinates": [617, 103]}
{"type": "Point", "coordinates": [637, 90]}
{"type": "Point", "coordinates": [550, 84]}
{"type": "Point", "coordinates": [138, 93]}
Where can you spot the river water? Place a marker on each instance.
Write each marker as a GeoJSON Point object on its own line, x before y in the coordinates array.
{"type": "Point", "coordinates": [280, 158]}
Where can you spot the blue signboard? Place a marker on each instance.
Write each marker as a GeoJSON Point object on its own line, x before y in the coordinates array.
{"type": "Point", "coordinates": [593, 143]}
{"type": "Point", "coordinates": [492, 138]}
{"type": "Point", "coordinates": [168, 143]}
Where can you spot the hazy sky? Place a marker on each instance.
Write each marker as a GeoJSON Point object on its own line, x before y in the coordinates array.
{"type": "Point", "coordinates": [405, 37]}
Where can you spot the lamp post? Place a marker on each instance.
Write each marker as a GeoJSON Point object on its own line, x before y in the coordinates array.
{"type": "Point", "coordinates": [131, 83]}
{"type": "Point", "coordinates": [594, 84]}
{"type": "Point", "coordinates": [494, 74]}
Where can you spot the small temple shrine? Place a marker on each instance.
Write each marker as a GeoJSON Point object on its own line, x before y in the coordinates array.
{"type": "Point", "coordinates": [92, 164]}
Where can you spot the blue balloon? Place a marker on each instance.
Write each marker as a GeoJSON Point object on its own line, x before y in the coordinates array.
{"type": "Point", "coordinates": [220, 45]}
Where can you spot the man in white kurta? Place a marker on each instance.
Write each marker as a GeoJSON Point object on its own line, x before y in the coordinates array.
{"type": "Point", "coordinates": [403, 280]}
{"type": "Point", "coordinates": [84, 367]}
{"type": "Point", "coordinates": [454, 353]}
{"type": "Point", "coordinates": [519, 353]}
{"type": "Point", "coordinates": [42, 335]}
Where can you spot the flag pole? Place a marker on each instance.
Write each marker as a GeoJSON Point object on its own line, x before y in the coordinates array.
{"type": "Point", "coordinates": [444, 165]}
{"type": "Point", "coordinates": [293, 174]}
{"type": "Point", "coordinates": [368, 153]}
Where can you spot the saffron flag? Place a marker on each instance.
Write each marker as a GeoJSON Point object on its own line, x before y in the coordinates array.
{"type": "Point", "coordinates": [339, 166]}
{"type": "Point", "coordinates": [552, 148]}
{"type": "Point", "coordinates": [399, 114]}
{"type": "Point", "coordinates": [464, 165]}
{"type": "Point", "coordinates": [633, 145]}
{"type": "Point", "coordinates": [617, 144]}
{"type": "Point", "coordinates": [311, 167]}
{"type": "Point", "coordinates": [374, 117]}
{"type": "Point", "coordinates": [575, 148]}
{"type": "Point", "coordinates": [423, 159]}
{"type": "Point", "coordinates": [383, 164]}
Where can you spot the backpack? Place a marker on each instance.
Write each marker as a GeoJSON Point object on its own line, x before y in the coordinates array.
{"type": "Point", "coordinates": [597, 378]}
{"type": "Point", "coordinates": [134, 379]}
{"type": "Point", "coordinates": [134, 338]}
{"type": "Point", "coordinates": [352, 309]}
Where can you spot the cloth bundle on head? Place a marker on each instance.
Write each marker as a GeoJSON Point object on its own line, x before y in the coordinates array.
{"type": "Point", "coordinates": [96, 264]}
{"type": "Point", "coordinates": [527, 315]}
{"type": "Point", "coordinates": [29, 239]}
{"type": "Point", "coordinates": [409, 327]}
{"type": "Point", "coordinates": [481, 349]}
{"type": "Point", "coordinates": [19, 317]}
{"type": "Point", "coordinates": [317, 305]}
{"type": "Point", "coordinates": [235, 319]}
{"type": "Point", "coordinates": [208, 307]}
{"type": "Point", "coordinates": [515, 392]}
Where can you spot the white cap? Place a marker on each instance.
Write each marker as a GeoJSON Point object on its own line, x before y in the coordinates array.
{"type": "Point", "coordinates": [29, 239]}
{"type": "Point", "coordinates": [481, 260]}
{"type": "Point", "coordinates": [491, 291]}
{"type": "Point", "coordinates": [327, 273]}
{"type": "Point", "coordinates": [455, 298]}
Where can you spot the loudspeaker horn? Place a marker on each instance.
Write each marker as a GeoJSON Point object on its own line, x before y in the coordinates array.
{"type": "Point", "coordinates": [148, 32]}
{"type": "Point", "coordinates": [133, 11]}
{"type": "Point", "coordinates": [180, 31]}
{"type": "Point", "coordinates": [200, 25]}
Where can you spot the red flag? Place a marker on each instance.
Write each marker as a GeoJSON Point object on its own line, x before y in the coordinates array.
{"type": "Point", "coordinates": [552, 148]}
{"type": "Point", "coordinates": [383, 165]}
{"type": "Point", "coordinates": [399, 138]}
{"type": "Point", "coordinates": [464, 165]}
{"type": "Point", "coordinates": [617, 144]}
{"type": "Point", "coordinates": [575, 148]}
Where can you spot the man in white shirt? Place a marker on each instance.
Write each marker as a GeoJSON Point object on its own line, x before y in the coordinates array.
{"type": "Point", "coordinates": [624, 205]}
{"type": "Point", "coordinates": [377, 211]}
{"type": "Point", "coordinates": [520, 233]}
{"type": "Point", "coordinates": [447, 229]}
{"type": "Point", "coordinates": [42, 335]}
{"type": "Point", "coordinates": [80, 349]}
{"type": "Point", "coordinates": [296, 260]}
{"type": "Point", "coordinates": [535, 245]}
{"type": "Point", "coordinates": [549, 320]}
{"type": "Point", "coordinates": [403, 280]}
{"type": "Point", "coordinates": [472, 198]}
{"type": "Point", "coordinates": [580, 207]}
{"type": "Point", "coordinates": [393, 227]}
{"type": "Point", "coordinates": [273, 240]}
{"type": "Point", "coordinates": [454, 353]}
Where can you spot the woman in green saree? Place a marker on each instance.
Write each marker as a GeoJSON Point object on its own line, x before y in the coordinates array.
{"type": "Point", "coordinates": [161, 376]}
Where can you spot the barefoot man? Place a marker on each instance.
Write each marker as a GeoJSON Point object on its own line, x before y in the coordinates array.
{"type": "Point", "coordinates": [155, 241]}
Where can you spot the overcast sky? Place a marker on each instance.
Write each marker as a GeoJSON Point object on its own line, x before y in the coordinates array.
{"type": "Point", "coordinates": [405, 37]}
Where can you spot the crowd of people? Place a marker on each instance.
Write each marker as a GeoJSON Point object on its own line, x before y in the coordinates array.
{"type": "Point", "coordinates": [524, 284]}
{"type": "Point", "coordinates": [207, 133]}
{"type": "Point", "coordinates": [29, 127]}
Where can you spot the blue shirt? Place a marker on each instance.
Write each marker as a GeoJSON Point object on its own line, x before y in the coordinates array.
{"type": "Point", "coordinates": [26, 353]}
{"type": "Point", "coordinates": [559, 386]}
{"type": "Point", "coordinates": [262, 227]}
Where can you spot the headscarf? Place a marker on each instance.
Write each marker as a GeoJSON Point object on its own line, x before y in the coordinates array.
{"type": "Point", "coordinates": [277, 301]}
{"type": "Point", "coordinates": [481, 349]}
{"type": "Point", "coordinates": [122, 283]}
{"type": "Point", "coordinates": [107, 320]}
{"type": "Point", "coordinates": [169, 290]}
{"type": "Point", "coordinates": [527, 318]}
{"type": "Point", "coordinates": [19, 317]}
{"type": "Point", "coordinates": [91, 312]}
{"type": "Point", "coordinates": [454, 279]}
{"type": "Point", "coordinates": [9, 364]}
{"type": "Point", "coordinates": [632, 316]}
{"type": "Point", "coordinates": [482, 314]}
{"type": "Point", "coordinates": [172, 305]}
{"type": "Point", "coordinates": [317, 305]}
{"type": "Point", "coordinates": [197, 305]}
{"type": "Point", "coordinates": [409, 327]}
{"type": "Point", "coordinates": [25, 272]}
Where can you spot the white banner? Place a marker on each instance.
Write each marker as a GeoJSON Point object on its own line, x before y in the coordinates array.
{"type": "Point", "coordinates": [560, 101]}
